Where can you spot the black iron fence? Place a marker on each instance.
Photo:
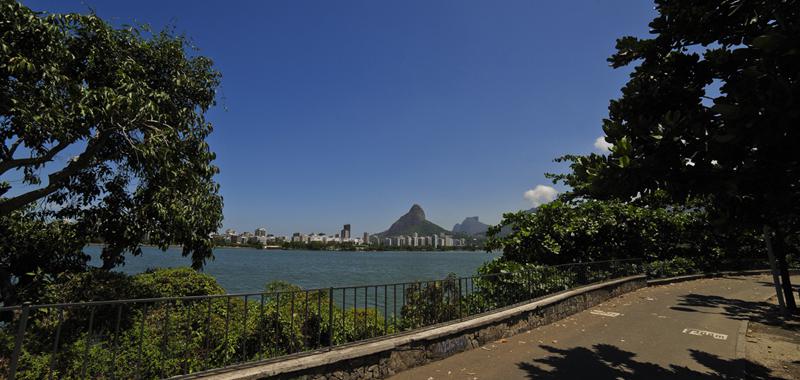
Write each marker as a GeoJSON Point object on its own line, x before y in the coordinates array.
{"type": "Point", "coordinates": [165, 337]}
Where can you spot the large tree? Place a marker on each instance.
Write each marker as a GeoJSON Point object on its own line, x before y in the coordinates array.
{"type": "Point", "coordinates": [712, 109]}
{"type": "Point", "coordinates": [104, 128]}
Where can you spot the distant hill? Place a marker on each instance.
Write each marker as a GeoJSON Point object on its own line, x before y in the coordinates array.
{"type": "Point", "coordinates": [470, 226]}
{"type": "Point", "coordinates": [413, 221]}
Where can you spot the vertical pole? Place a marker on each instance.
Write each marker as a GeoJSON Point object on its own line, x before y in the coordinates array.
{"type": "Point", "coordinates": [460, 311]}
{"type": "Point", "coordinates": [54, 355]}
{"type": "Point", "coordinates": [262, 321]}
{"type": "Point", "coordinates": [385, 309]}
{"type": "Point", "coordinates": [141, 341]}
{"type": "Point", "coordinates": [774, 268]}
{"type": "Point", "coordinates": [394, 307]}
{"type": "Point", "coordinates": [291, 323]}
{"type": "Point", "coordinates": [278, 326]}
{"type": "Point", "coordinates": [227, 325]}
{"type": "Point", "coordinates": [319, 318]}
{"type": "Point", "coordinates": [206, 338]}
{"type": "Point", "coordinates": [188, 305]}
{"type": "Point", "coordinates": [23, 322]}
{"type": "Point", "coordinates": [244, 330]}
{"type": "Point", "coordinates": [355, 316]}
{"type": "Point", "coordinates": [344, 310]}
{"type": "Point", "coordinates": [529, 278]}
{"type": "Point", "coordinates": [114, 342]}
{"type": "Point", "coordinates": [330, 316]}
{"type": "Point", "coordinates": [88, 344]}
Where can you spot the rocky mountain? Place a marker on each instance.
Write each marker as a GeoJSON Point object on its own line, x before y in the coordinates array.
{"type": "Point", "coordinates": [413, 221]}
{"type": "Point", "coordinates": [470, 226]}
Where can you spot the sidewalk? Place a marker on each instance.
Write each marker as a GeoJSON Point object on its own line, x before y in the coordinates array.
{"type": "Point", "coordinates": [775, 344]}
{"type": "Point", "coordinates": [687, 330]}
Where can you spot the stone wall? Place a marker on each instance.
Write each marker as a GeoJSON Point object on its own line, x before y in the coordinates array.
{"type": "Point", "coordinates": [377, 360]}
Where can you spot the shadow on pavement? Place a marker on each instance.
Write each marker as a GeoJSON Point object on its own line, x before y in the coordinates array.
{"type": "Point", "coordinates": [796, 287]}
{"type": "Point", "coordinates": [605, 361]}
{"type": "Point", "coordinates": [736, 309]}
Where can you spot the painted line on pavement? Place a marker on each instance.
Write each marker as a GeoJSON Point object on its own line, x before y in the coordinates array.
{"type": "Point", "coordinates": [712, 334]}
{"type": "Point", "coordinates": [605, 313]}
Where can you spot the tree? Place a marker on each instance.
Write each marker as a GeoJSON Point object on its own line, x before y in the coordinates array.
{"type": "Point", "coordinates": [711, 110]}
{"type": "Point", "coordinates": [130, 105]}
{"type": "Point", "coordinates": [592, 230]}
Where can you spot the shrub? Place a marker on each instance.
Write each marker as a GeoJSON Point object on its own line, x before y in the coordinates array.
{"type": "Point", "coordinates": [176, 282]}
{"type": "Point", "coordinates": [677, 266]}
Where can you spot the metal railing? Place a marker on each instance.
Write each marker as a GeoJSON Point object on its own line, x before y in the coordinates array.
{"type": "Point", "coordinates": [166, 337]}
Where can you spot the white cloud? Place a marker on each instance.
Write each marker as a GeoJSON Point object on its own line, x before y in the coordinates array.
{"type": "Point", "coordinates": [540, 195]}
{"type": "Point", "coordinates": [602, 145]}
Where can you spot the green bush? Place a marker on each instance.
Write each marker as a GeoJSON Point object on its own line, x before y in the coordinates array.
{"type": "Point", "coordinates": [166, 338]}
{"type": "Point", "coordinates": [432, 302]}
{"type": "Point", "coordinates": [176, 282]}
{"type": "Point", "coordinates": [678, 266]}
{"type": "Point", "coordinates": [503, 283]}
{"type": "Point", "coordinates": [593, 230]}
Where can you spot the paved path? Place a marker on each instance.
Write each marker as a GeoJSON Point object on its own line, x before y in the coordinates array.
{"type": "Point", "coordinates": [686, 330]}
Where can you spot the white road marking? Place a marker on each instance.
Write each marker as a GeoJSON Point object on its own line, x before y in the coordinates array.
{"type": "Point", "coordinates": [705, 333]}
{"type": "Point", "coordinates": [605, 313]}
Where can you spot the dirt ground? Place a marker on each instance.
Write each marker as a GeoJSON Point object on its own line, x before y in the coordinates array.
{"type": "Point", "coordinates": [775, 344]}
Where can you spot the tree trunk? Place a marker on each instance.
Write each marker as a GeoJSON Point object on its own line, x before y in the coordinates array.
{"type": "Point", "coordinates": [774, 269]}
{"type": "Point", "coordinates": [783, 267]}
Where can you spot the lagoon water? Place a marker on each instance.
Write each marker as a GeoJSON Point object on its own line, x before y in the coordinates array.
{"type": "Point", "coordinates": [246, 269]}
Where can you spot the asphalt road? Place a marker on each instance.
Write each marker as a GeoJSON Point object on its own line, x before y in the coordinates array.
{"type": "Point", "coordinates": [686, 330]}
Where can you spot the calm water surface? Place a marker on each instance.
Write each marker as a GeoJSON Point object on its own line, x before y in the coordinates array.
{"type": "Point", "coordinates": [245, 269]}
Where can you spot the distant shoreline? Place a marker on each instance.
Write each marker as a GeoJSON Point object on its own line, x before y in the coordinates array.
{"type": "Point", "coordinates": [311, 250]}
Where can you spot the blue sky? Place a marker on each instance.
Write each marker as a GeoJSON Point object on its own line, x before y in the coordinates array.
{"type": "Point", "coordinates": [335, 112]}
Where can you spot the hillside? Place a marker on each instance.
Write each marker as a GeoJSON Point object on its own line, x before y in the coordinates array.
{"type": "Point", "coordinates": [470, 226]}
{"type": "Point", "coordinates": [413, 221]}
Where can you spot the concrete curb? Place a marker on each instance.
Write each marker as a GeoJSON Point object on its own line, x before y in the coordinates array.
{"type": "Point", "coordinates": [288, 367]}
{"type": "Point", "coordinates": [741, 347]}
{"type": "Point", "coordinates": [677, 279]}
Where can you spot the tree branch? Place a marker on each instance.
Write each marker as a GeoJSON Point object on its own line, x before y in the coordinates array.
{"type": "Point", "coordinates": [14, 147]}
{"type": "Point", "coordinates": [12, 163]}
{"type": "Point", "coordinates": [56, 179]}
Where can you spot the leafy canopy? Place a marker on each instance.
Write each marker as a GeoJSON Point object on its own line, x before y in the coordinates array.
{"type": "Point", "coordinates": [593, 230]}
{"type": "Point", "coordinates": [131, 104]}
{"type": "Point", "coordinates": [711, 109]}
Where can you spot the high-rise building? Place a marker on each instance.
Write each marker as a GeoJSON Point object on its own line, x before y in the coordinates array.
{"type": "Point", "coordinates": [366, 238]}
{"type": "Point", "coordinates": [345, 232]}
{"type": "Point", "coordinates": [261, 232]}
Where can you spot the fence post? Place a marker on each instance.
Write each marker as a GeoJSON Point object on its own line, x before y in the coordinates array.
{"type": "Point", "coordinates": [460, 306]}
{"type": "Point", "coordinates": [23, 322]}
{"type": "Point", "coordinates": [330, 316]}
{"type": "Point", "coordinates": [529, 280]}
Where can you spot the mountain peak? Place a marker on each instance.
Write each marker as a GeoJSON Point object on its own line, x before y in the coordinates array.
{"type": "Point", "coordinates": [417, 212]}
{"type": "Point", "coordinates": [413, 221]}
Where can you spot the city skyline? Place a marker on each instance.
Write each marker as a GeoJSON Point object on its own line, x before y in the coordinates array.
{"type": "Point", "coordinates": [358, 109]}
{"type": "Point", "coordinates": [345, 231]}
